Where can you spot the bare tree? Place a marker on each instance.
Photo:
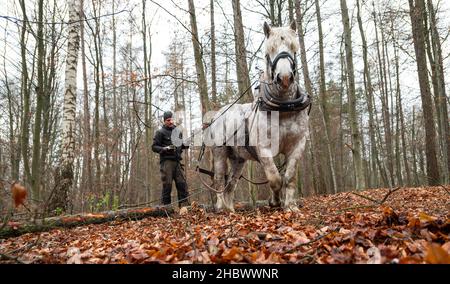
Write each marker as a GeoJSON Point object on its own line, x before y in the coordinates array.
{"type": "Point", "coordinates": [418, 30]}
{"type": "Point", "coordinates": [242, 71]}
{"type": "Point", "coordinates": [356, 138]}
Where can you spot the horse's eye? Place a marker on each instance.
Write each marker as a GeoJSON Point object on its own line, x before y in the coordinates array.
{"type": "Point", "coordinates": [282, 38]}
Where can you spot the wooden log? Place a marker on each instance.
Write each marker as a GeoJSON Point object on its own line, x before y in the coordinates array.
{"type": "Point", "coordinates": [14, 229]}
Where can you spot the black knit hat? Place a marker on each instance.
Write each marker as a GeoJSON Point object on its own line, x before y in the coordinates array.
{"type": "Point", "coordinates": [167, 114]}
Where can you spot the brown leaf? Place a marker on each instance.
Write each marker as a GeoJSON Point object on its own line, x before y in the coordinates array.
{"type": "Point", "coordinates": [74, 256]}
{"type": "Point", "coordinates": [243, 232]}
{"type": "Point", "coordinates": [437, 255]}
{"type": "Point", "coordinates": [426, 218]}
{"type": "Point", "coordinates": [183, 211]}
{"type": "Point", "coordinates": [410, 260]}
{"type": "Point", "coordinates": [232, 254]}
{"type": "Point", "coordinates": [19, 194]}
{"type": "Point", "coordinates": [446, 247]}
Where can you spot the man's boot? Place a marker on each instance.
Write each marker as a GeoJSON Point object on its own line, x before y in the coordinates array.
{"type": "Point", "coordinates": [183, 194]}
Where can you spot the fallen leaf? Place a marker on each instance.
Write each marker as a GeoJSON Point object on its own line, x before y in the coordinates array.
{"type": "Point", "coordinates": [374, 255]}
{"type": "Point", "coordinates": [183, 211]}
{"type": "Point", "coordinates": [19, 193]}
{"type": "Point", "coordinates": [426, 218]}
{"type": "Point", "coordinates": [437, 255]}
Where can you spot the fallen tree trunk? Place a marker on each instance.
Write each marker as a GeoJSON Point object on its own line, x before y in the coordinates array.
{"type": "Point", "coordinates": [14, 229]}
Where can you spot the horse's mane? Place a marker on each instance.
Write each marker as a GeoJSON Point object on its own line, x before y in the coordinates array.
{"type": "Point", "coordinates": [279, 36]}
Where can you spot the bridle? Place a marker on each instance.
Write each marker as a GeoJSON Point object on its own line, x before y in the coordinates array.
{"type": "Point", "coordinates": [269, 102]}
{"type": "Point", "coordinates": [282, 55]}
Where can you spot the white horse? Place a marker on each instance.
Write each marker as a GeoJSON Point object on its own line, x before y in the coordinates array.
{"type": "Point", "coordinates": [242, 132]}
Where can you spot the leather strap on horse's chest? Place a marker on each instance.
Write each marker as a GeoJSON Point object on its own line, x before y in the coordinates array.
{"type": "Point", "coordinates": [250, 149]}
{"type": "Point", "coordinates": [271, 103]}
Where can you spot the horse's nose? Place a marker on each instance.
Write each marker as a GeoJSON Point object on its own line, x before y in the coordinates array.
{"type": "Point", "coordinates": [285, 80]}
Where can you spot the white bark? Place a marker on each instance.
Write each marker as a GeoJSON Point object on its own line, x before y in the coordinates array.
{"type": "Point", "coordinates": [68, 124]}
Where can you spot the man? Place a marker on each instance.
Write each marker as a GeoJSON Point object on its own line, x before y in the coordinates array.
{"type": "Point", "coordinates": [170, 162]}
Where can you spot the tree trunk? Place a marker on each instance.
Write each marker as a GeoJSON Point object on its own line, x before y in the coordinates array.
{"type": "Point", "coordinates": [305, 69]}
{"type": "Point", "coordinates": [86, 183]}
{"type": "Point", "coordinates": [148, 108]}
{"type": "Point", "coordinates": [64, 177]}
{"type": "Point", "coordinates": [13, 143]}
{"type": "Point", "coordinates": [25, 135]}
{"type": "Point", "coordinates": [430, 131]}
{"type": "Point", "coordinates": [369, 97]}
{"type": "Point", "coordinates": [324, 101]}
{"type": "Point", "coordinates": [402, 127]}
{"type": "Point", "coordinates": [291, 11]}
{"type": "Point", "coordinates": [413, 147]}
{"type": "Point", "coordinates": [441, 96]}
{"type": "Point", "coordinates": [213, 59]}
{"type": "Point", "coordinates": [116, 131]}
{"type": "Point", "coordinates": [201, 77]}
{"type": "Point", "coordinates": [96, 127]}
{"type": "Point", "coordinates": [40, 89]}
{"type": "Point", "coordinates": [356, 139]}
{"type": "Point", "coordinates": [242, 72]}
{"type": "Point", "coordinates": [272, 12]}
{"type": "Point", "coordinates": [384, 101]}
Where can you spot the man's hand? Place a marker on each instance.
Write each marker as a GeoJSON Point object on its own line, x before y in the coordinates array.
{"type": "Point", "coordinates": [168, 148]}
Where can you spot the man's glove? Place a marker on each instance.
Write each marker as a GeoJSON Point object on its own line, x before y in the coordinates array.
{"type": "Point", "coordinates": [168, 149]}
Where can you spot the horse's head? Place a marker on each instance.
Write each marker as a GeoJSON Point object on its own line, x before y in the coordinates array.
{"type": "Point", "coordinates": [281, 46]}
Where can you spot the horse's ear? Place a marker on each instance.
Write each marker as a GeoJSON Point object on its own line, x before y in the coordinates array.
{"type": "Point", "coordinates": [293, 26]}
{"type": "Point", "coordinates": [267, 29]}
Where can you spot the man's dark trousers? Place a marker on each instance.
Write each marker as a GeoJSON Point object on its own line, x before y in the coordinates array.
{"type": "Point", "coordinates": [171, 170]}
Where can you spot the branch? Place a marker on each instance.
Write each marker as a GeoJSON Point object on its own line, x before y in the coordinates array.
{"type": "Point", "coordinates": [312, 241]}
{"type": "Point", "coordinates": [377, 201]}
{"type": "Point", "coordinates": [446, 189]}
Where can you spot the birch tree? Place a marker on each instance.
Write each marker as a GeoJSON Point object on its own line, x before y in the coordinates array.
{"type": "Point", "coordinates": [64, 174]}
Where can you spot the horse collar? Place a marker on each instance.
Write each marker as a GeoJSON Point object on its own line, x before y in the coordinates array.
{"type": "Point", "coordinates": [268, 102]}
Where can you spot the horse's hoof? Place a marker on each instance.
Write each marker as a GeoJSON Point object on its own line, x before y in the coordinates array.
{"type": "Point", "coordinates": [224, 210]}
{"type": "Point", "coordinates": [274, 204]}
{"type": "Point", "coordinates": [291, 208]}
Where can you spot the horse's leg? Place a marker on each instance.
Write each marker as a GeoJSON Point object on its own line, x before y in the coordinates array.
{"type": "Point", "coordinates": [274, 178]}
{"type": "Point", "coordinates": [237, 166]}
{"type": "Point", "coordinates": [289, 179]}
{"type": "Point", "coordinates": [220, 169]}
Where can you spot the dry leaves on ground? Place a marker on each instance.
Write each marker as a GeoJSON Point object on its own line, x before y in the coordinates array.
{"type": "Point", "coordinates": [412, 226]}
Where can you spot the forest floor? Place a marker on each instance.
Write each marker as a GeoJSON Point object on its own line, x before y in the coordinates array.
{"type": "Point", "coordinates": [405, 225]}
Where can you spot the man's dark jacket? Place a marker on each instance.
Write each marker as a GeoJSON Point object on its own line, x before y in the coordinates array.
{"type": "Point", "coordinates": [163, 139]}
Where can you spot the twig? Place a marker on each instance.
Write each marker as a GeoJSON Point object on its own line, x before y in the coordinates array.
{"type": "Point", "coordinates": [446, 189]}
{"type": "Point", "coordinates": [365, 197]}
{"type": "Point", "coordinates": [389, 193]}
{"type": "Point", "coordinates": [9, 257]}
{"type": "Point", "coordinates": [355, 207]}
{"type": "Point", "coordinates": [26, 247]}
{"type": "Point", "coordinates": [377, 201]}
{"type": "Point", "coordinates": [312, 241]}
